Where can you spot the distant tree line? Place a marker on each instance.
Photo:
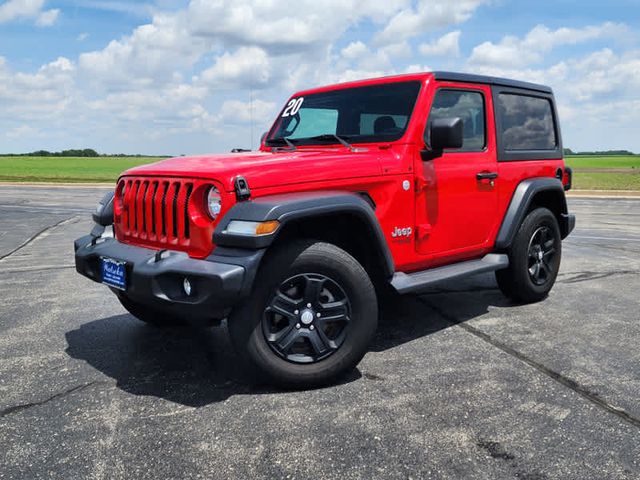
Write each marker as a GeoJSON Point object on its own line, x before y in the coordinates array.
{"type": "Point", "coordinates": [568, 151]}
{"type": "Point", "coordinates": [85, 152]}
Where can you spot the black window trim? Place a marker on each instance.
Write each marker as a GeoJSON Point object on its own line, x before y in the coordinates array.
{"type": "Point", "coordinates": [518, 155]}
{"type": "Point", "coordinates": [484, 104]}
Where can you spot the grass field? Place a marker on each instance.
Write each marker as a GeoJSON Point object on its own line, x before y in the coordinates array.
{"type": "Point", "coordinates": [587, 161]}
{"type": "Point", "coordinates": [67, 169]}
{"type": "Point", "coordinates": [590, 172]}
{"type": "Point", "coordinates": [606, 172]}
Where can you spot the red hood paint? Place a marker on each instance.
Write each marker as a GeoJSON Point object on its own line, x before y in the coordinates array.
{"type": "Point", "coordinates": [267, 169]}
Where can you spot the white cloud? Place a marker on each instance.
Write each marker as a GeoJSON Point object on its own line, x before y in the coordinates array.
{"type": "Point", "coordinates": [258, 111]}
{"type": "Point", "coordinates": [354, 51]}
{"type": "Point", "coordinates": [14, 9]}
{"type": "Point", "coordinates": [446, 45]}
{"type": "Point", "coordinates": [46, 93]}
{"type": "Point", "coordinates": [28, 9]}
{"type": "Point", "coordinates": [48, 17]}
{"type": "Point", "coordinates": [22, 131]}
{"type": "Point", "coordinates": [247, 67]}
{"type": "Point", "coordinates": [427, 16]}
{"type": "Point", "coordinates": [515, 52]}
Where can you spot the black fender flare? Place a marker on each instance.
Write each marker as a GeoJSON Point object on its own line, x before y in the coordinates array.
{"type": "Point", "coordinates": [103, 214]}
{"type": "Point", "coordinates": [521, 200]}
{"type": "Point", "coordinates": [288, 208]}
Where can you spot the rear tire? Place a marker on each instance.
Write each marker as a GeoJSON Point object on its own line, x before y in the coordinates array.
{"type": "Point", "coordinates": [534, 258]}
{"type": "Point", "coordinates": [149, 315]}
{"type": "Point", "coordinates": [310, 319]}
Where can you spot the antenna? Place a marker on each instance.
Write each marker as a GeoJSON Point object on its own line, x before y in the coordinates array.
{"type": "Point", "coordinates": [251, 114]}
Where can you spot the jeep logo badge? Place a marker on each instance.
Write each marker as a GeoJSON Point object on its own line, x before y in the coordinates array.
{"type": "Point", "coordinates": [401, 232]}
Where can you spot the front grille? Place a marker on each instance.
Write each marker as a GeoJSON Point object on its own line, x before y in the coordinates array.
{"type": "Point", "coordinates": [155, 210]}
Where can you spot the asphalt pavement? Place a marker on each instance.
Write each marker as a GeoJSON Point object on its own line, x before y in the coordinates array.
{"type": "Point", "coordinates": [459, 383]}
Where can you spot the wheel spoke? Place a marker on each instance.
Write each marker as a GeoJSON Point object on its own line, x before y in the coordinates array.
{"type": "Point", "coordinates": [545, 269]}
{"type": "Point", "coordinates": [334, 311]}
{"type": "Point", "coordinates": [549, 253]}
{"type": "Point", "coordinates": [283, 305]}
{"type": "Point", "coordinates": [536, 271]}
{"type": "Point", "coordinates": [286, 341]}
{"type": "Point", "coordinates": [277, 336]}
{"type": "Point", "coordinates": [318, 341]}
{"type": "Point", "coordinates": [331, 343]}
{"type": "Point", "coordinates": [312, 289]}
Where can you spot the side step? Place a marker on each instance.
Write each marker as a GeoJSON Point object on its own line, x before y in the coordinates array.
{"type": "Point", "coordinates": [414, 282]}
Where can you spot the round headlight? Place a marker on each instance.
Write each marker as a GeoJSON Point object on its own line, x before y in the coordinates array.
{"type": "Point", "coordinates": [214, 202]}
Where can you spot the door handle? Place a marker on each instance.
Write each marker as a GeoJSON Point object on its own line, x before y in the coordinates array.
{"type": "Point", "coordinates": [486, 175]}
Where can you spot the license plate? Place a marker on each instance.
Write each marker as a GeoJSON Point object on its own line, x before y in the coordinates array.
{"type": "Point", "coordinates": [114, 273]}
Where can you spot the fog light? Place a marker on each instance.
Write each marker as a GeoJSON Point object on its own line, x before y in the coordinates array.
{"type": "Point", "coordinates": [186, 285]}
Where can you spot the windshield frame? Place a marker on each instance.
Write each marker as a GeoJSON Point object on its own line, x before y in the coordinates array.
{"type": "Point", "coordinates": [271, 140]}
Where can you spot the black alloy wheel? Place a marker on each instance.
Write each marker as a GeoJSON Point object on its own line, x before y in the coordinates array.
{"type": "Point", "coordinates": [307, 318]}
{"type": "Point", "coordinates": [541, 252]}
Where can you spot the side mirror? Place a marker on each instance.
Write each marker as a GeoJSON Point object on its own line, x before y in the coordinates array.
{"type": "Point", "coordinates": [263, 136]}
{"type": "Point", "coordinates": [446, 133]}
{"type": "Point", "coordinates": [443, 133]}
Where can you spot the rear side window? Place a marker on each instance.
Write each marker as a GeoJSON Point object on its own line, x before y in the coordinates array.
{"type": "Point", "coordinates": [527, 122]}
{"type": "Point", "coordinates": [467, 105]}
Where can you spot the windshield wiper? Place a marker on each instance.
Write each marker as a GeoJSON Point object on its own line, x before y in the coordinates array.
{"type": "Point", "coordinates": [282, 140]}
{"type": "Point", "coordinates": [333, 136]}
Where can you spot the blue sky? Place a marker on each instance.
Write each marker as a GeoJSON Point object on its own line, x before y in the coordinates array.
{"type": "Point", "coordinates": [178, 76]}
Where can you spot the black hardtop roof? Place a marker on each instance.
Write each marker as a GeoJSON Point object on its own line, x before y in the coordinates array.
{"type": "Point", "coordinates": [503, 82]}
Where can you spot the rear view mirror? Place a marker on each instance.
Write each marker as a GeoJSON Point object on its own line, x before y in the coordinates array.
{"type": "Point", "coordinates": [446, 133]}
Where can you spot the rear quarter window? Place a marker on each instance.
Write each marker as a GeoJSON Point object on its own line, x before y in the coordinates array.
{"type": "Point", "coordinates": [527, 122]}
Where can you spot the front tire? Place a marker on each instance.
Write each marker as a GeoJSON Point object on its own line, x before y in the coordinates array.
{"type": "Point", "coordinates": [534, 258]}
{"type": "Point", "coordinates": [310, 318]}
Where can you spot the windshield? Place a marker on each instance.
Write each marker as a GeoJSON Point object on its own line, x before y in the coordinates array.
{"type": "Point", "coordinates": [377, 113]}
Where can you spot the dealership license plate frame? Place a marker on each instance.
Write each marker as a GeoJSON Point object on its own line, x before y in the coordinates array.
{"type": "Point", "coordinates": [113, 273]}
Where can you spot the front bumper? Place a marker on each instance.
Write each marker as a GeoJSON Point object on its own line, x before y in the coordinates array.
{"type": "Point", "coordinates": [156, 278]}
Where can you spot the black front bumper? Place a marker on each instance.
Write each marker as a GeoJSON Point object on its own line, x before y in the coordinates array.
{"type": "Point", "coordinates": [156, 279]}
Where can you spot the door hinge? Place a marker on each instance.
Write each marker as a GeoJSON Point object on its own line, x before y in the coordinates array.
{"type": "Point", "coordinates": [422, 184]}
{"type": "Point", "coordinates": [423, 230]}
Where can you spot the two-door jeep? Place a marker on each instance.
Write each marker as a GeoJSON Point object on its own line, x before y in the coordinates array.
{"type": "Point", "coordinates": [382, 185]}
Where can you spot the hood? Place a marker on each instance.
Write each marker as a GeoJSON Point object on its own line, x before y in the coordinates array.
{"type": "Point", "coordinates": [267, 169]}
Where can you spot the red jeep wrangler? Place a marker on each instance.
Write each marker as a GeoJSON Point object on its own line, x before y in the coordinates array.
{"type": "Point", "coordinates": [386, 184]}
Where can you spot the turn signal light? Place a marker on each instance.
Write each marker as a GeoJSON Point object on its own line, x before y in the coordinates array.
{"type": "Point", "coordinates": [265, 228]}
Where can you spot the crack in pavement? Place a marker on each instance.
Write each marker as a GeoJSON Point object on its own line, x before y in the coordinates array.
{"type": "Point", "coordinates": [34, 237]}
{"type": "Point", "coordinates": [26, 406]}
{"type": "Point", "coordinates": [587, 275]}
{"type": "Point", "coordinates": [36, 269]}
{"type": "Point", "coordinates": [558, 377]}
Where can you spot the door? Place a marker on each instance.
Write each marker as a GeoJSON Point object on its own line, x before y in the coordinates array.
{"type": "Point", "coordinates": [456, 192]}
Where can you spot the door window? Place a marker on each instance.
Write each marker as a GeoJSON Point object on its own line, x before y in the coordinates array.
{"type": "Point", "coordinates": [467, 105]}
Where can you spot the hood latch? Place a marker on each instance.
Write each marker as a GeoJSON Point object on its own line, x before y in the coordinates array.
{"type": "Point", "coordinates": [242, 188]}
